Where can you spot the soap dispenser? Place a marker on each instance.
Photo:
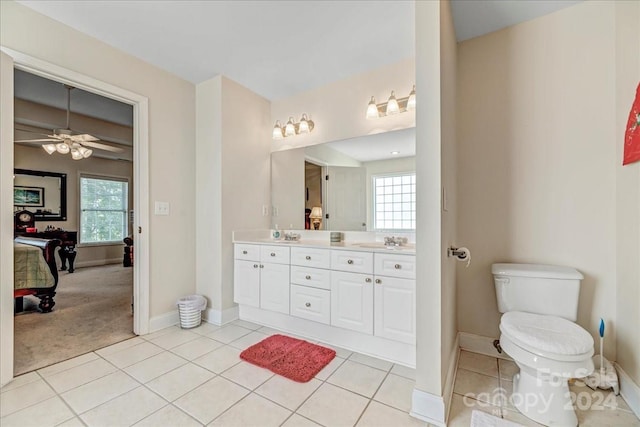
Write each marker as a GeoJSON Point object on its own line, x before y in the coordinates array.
{"type": "Point", "coordinates": [276, 233]}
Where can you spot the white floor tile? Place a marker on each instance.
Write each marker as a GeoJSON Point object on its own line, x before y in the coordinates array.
{"type": "Point", "coordinates": [196, 348]}
{"type": "Point", "coordinates": [245, 324]}
{"type": "Point", "coordinates": [174, 338]}
{"type": "Point", "coordinates": [73, 422]}
{"type": "Point", "coordinates": [67, 364]}
{"type": "Point", "coordinates": [148, 369]}
{"type": "Point", "coordinates": [478, 386]}
{"type": "Point", "coordinates": [120, 346]}
{"type": "Point", "coordinates": [50, 412]}
{"type": "Point", "coordinates": [371, 361]}
{"type": "Point", "coordinates": [211, 399]}
{"type": "Point", "coordinates": [161, 332]}
{"type": "Point", "coordinates": [229, 333]}
{"type": "Point", "coordinates": [219, 360]}
{"type": "Point", "coordinates": [247, 375]}
{"type": "Point", "coordinates": [507, 369]}
{"type": "Point", "coordinates": [24, 396]}
{"type": "Point", "coordinates": [124, 410]}
{"type": "Point", "coordinates": [180, 381]}
{"type": "Point", "coordinates": [396, 391]}
{"type": "Point", "coordinates": [333, 406]}
{"type": "Point", "coordinates": [134, 354]}
{"type": "Point", "coordinates": [253, 410]}
{"type": "Point", "coordinates": [404, 371]}
{"type": "Point", "coordinates": [248, 340]}
{"type": "Point", "coordinates": [379, 415]}
{"type": "Point", "coordinates": [286, 392]}
{"type": "Point", "coordinates": [330, 368]}
{"type": "Point", "coordinates": [82, 374]}
{"type": "Point", "coordinates": [340, 352]}
{"type": "Point", "coordinates": [358, 378]}
{"type": "Point", "coordinates": [606, 417]}
{"type": "Point", "coordinates": [20, 381]}
{"type": "Point", "coordinates": [514, 416]}
{"type": "Point", "coordinates": [461, 408]}
{"type": "Point", "coordinates": [95, 393]}
{"type": "Point", "coordinates": [205, 328]}
{"type": "Point", "coordinates": [169, 416]}
{"type": "Point", "coordinates": [296, 420]}
{"type": "Point", "coordinates": [478, 363]}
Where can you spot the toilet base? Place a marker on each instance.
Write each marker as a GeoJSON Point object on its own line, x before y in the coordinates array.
{"type": "Point", "coordinates": [544, 400]}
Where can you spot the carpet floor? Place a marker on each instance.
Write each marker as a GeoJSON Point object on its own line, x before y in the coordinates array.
{"type": "Point", "coordinates": [93, 310]}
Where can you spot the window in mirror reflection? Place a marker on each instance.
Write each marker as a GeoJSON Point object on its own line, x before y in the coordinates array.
{"type": "Point", "coordinates": [394, 200]}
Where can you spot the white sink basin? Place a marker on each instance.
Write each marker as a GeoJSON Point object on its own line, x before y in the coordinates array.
{"type": "Point", "coordinates": [375, 245]}
{"type": "Point", "coordinates": [281, 241]}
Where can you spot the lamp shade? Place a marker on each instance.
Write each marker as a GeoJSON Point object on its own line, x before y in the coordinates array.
{"type": "Point", "coordinates": [303, 126]}
{"type": "Point", "coordinates": [316, 212]}
{"type": "Point", "coordinates": [372, 109]}
{"type": "Point", "coordinates": [49, 148]}
{"type": "Point", "coordinates": [62, 147]}
{"type": "Point", "coordinates": [277, 131]}
{"type": "Point", "coordinates": [290, 128]}
{"type": "Point", "coordinates": [411, 102]}
{"type": "Point", "coordinates": [392, 104]}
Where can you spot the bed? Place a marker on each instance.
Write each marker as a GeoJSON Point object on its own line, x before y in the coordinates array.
{"type": "Point", "coordinates": [35, 271]}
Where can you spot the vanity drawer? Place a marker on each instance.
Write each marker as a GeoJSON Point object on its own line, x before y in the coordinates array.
{"type": "Point", "coordinates": [309, 257]}
{"type": "Point", "coordinates": [392, 265]}
{"type": "Point", "coordinates": [314, 277]}
{"type": "Point", "coordinates": [352, 261]}
{"type": "Point", "coordinates": [274, 254]}
{"type": "Point", "coordinates": [247, 252]}
{"type": "Point", "coordinates": [311, 303]}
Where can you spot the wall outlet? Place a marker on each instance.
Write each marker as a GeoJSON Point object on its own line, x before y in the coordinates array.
{"type": "Point", "coordinates": [162, 208]}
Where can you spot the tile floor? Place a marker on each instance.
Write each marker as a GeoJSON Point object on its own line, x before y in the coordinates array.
{"type": "Point", "coordinates": [194, 377]}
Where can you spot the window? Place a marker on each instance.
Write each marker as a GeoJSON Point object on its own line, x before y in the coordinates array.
{"type": "Point", "coordinates": [394, 202]}
{"type": "Point", "coordinates": [103, 209]}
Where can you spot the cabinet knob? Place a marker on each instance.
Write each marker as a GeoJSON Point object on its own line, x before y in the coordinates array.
{"type": "Point", "coordinates": [261, 266]}
{"type": "Point", "coordinates": [349, 261]}
{"type": "Point", "coordinates": [255, 265]}
{"type": "Point", "coordinates": [368, 280]}
{"type": "Point", "coordinates": [307, 277]}
{"type": "Point", "coordinates": [244, 252]}
{"type": "Point", "coordinates": [273, 254]}
{"type": "Point", "coordinates": [378, 281]}
{"type": "Point", "coordinates": [398, 266]}
{"type": "Point", "coordinates": [308, 304]}
{"type": "Point", "coordinates": [308, 257]}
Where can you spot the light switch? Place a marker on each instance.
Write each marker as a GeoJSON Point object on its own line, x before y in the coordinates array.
{"type": "Point", "coordinates": [162, 208]}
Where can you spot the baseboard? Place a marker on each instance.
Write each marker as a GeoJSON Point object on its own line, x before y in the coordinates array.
{"type": "Point", "coordinates": [480, 344]}
{"type": "Point", "coordinates": [164, 321]}
{"type": "Point", "coordinates": [451, 376]}
{"type": "Point", "coordinates": [220, 317]}
{"type": "Point", "coordinates": [629, 390]}
{"type": "Point", "coordinates": [428, 407]}
{"type": "Point", "coordinates": [97, 262]}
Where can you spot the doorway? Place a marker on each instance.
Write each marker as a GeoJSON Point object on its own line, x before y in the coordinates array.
{"type": "Point", "coordinates": [9, 60]}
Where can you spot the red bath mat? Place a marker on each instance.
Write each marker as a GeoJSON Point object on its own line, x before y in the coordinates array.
{"type": "Point", "coordinates": [292, 358]}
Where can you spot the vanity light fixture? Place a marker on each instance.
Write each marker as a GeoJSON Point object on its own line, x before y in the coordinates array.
{"type": "Point", "coordinates": [305, 125]}
{"type": "Point", "coordinates": [392, 106]}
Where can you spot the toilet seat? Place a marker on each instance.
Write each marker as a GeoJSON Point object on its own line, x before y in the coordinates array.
{"type": "Point", "coordinates": [547, 336]}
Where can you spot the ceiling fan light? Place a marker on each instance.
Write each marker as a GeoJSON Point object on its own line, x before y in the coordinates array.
{"type": "Point", "coordinates": [303, 126]}
{"type": "Point", "coordinates": [87, 153]}
{"type": "Point", "coordinates": [372, 109]}
{"type": "Point", "coordinates": [277, 131]}
{"type": "Point", "coordinates": [62, 147]}
{"type": "Point", "coordinates": [411, 102]}
{"type": "Point", "coordinates": [49, 148]}
{"type": "Point", "coordinates": [290, 129]}
{"type": "Point", "coordinates": [76, 155]}
{"type": "Point", "coordinates": [392, 104]}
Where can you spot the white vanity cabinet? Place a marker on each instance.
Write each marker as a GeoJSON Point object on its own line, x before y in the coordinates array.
{"type": "Point", "coordinates": [311, 284]}
{"type": "Point", "coordinates": [261, 276]}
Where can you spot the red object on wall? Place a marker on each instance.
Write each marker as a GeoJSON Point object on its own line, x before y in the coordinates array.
{"type": "Point", "coordinates": [632, 134]}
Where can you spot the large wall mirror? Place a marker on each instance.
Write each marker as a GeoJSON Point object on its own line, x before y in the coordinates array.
{"type": "Point", "coordinates": [43, 193]}
{"type": "Point", "coordinates": [341, 185]}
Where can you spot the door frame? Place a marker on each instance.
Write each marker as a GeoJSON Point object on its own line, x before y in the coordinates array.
{"type": "Point", "coordinates": [140, 196]}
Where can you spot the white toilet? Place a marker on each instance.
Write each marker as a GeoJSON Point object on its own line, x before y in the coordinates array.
{"type": "Point", "coordinates": [540, 304]}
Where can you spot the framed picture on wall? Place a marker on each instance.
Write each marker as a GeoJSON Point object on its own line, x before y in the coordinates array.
{"type": "Point", "coordinates": [28, 196]}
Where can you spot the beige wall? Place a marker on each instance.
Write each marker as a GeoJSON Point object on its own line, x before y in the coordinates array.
{"type": "Point", "coordinates": [627, 194]}
{"type": "Point", "coordinates": [171, 136]}
{"type": "Point", "coordinates": [537, 159]}
{"type": "Point", "coordinates": [37, 159]}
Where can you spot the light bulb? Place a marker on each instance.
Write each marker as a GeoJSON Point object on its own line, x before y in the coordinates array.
{"type": "Point", "coordinates": [75, 154]}
{"type": "Point", "coordinates": [303, 127]}
{"type": "Point", "coordinates": [411, 102]}
{"type": "Point", "coordinates": [85, 152]}
{"type": "Point", "coordinates": [392, 104]}
{"type": "Point", "coordinates": [277, 130]}
{"type": "Point", "coordinates": [290, 129]}
{"type": "Point", "coordinates": [49, 148]}
{"type": "Point", "coordinates": [372, 109]}
{"type": "Point", "coordinates": [62, 147]}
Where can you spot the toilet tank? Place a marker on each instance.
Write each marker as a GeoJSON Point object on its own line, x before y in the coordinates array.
{"type": "Point", "coordinates": [539, 289]}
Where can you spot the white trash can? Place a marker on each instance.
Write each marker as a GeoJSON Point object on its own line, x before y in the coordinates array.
{"type": "Point", "coordinates": [190, 310]}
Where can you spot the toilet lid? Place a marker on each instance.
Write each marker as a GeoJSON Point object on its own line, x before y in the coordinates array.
{"type": "Point", "coordinates": [549, 334]}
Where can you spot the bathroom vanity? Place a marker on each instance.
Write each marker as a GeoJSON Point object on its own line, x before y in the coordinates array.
{"type": "Point", "coordinates": [360, 296]}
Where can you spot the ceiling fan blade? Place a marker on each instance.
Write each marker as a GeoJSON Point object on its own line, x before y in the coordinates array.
{"type": "Point", "coordinates": [38, 140]}
{"type": "Point", "coordinates": [100, 146]}
{"type": "Point", "coordinates": [83, 138]}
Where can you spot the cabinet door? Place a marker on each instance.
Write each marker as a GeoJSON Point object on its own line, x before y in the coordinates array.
{"type": "Point", "coordinates": [395, 309]}
{"type": "Point", "coordinates": [311, 303]}
{"type": "Point", "coordinates": [352, 301]}
{"type": "Point", "coordinates": [274, 287]}
{"type": "Point", "coordinates": [246, 282]}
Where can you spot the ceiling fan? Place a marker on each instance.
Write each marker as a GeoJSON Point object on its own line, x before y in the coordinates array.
{"type": "Point", "coordinates": [65, 141]}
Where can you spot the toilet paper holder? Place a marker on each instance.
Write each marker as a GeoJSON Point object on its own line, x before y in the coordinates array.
{"type": "Point", "coordinates": [456, 252]}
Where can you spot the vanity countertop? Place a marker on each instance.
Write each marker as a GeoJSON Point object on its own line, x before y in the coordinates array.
{"type": "Point", "coordinates": [365, 246]}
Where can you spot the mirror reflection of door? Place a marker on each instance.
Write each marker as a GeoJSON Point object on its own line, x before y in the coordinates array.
{"type": "Point", "coordinates": [313, 193]}
{"type": "Point", "coordinates": [346, 200]}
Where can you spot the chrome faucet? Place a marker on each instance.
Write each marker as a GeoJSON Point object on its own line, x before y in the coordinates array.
{"type": "Point", "coordinates": [395, 241]}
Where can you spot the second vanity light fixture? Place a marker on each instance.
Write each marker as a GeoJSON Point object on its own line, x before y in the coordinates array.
{"type": "Point", "coordinates": [392, 106]}
{"type": "Point", "coordinates": [305, 125]}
